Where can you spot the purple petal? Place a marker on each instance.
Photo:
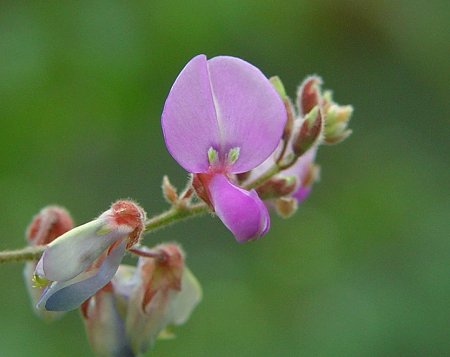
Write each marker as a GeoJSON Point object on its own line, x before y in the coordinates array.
{"type": "Point", "coordinates": [70, 294]}
{"type": "Point", "coordinates": [223, 103]}
{"type": "Point", "coordinates": [301, 194]}
{"type": "Point", "coordinates": [189, 120]}
{"type": "Point", "coordinates": [250, 112]}
{"type": "Point", "coordinates": [301, 170]}
{"type": "Point", "coordinates": [242, 212]}
{"type": "Point", "coordinates": [70, 254]}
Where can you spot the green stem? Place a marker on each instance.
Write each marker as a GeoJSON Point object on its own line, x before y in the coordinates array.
{"type": "Point", "coordinates": [19, 255]}
{"type": "Point", "coordinates": [164, 219]}
{"type": "Point", "coordinates": [175, 214]}
{"type": "Point", "coordinates": [264, 177]}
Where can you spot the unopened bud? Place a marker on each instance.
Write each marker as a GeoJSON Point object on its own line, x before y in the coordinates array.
{"type": "Point", "coordinates": [277, 186]}
{"type": "Point", "coordinates": [278, 85]}
{"type": "Point", "coordinates": [129, 213]}
{"type": "Point", "coordinates": [312, 175]}
{"type": "Point", "coordinates": [309, 95]}
{"type": "Point", "coordinates": [336, 119]}
{"type": "Point", "coordinates": [169, 191]}
{"type": "Point", "coordinates": [290, 119]}
{"type": "Point", "coordinates": [286, 206]}
{"type": "Point", "coordinates": [336, 122]}
{"type": "Point", "coordinates": [48, 224]}
{"type": "Point", "coordinates": [309, 132]}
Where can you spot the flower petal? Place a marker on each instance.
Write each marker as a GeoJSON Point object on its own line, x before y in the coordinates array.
{"type": "Point", "coordinates": [35, 294]}
{"type": "Point", "coordinates": [301, 170]}
{"type": "Point", "coordinates": [68, 295]}
{"type": "Point", "coordinates": [74, 251]}
{"type": "Point", "coordinates": [105, 328]}
{"type": "Point", "coordinates": [186, 300]}
{"type": "Point", "coordinates": [242, 212]}
{"type": "Point", "coordinates": [250, 112]}
{"type": "Point", "coordinates": [189, 120]}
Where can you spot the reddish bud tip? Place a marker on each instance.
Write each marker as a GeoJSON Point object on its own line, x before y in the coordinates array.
{"type": "Point", "coordinates": [130, 214]}
{"type": "Point", "coordinates": [277, 187]}
{"type": "Point", "coordinates": [309, 132]}
{"type": "Point", "coordinates": [162, 274]}
{"type": "Point", "coordinates": [169, 191]}
{"type": "Point", "coordinates": [48, 224]}
{"type": "Point", "coordinates": [308, 95]}
{"type": "Point", "coordinates": [286, 206]}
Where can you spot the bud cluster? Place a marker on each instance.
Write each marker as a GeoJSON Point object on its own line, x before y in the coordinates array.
{"type": "Point", "coordinates": [315, 119]}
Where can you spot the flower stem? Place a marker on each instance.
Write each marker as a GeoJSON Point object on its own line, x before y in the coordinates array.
{"type": "Point", "coordinates": [19, 255]}
{"type": "Point", "coordinates": [174, 214]}
{"type": "Point", "coordinates": [264, 177]}
{"type": "Point", "coordinates": [164, 219]}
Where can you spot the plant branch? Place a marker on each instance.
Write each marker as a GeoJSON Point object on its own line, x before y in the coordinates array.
{"type": "Point", "coordinates": [19, 255]}
{"type": "Point", "coordinates": [174, 214]}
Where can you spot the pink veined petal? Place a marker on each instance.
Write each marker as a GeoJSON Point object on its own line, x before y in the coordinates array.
{"type": "Point", "coordinates": [250, 113]}
{"type": "Point", "coordinates": [242, 212]}
{"type": "Point", "coordinates": [189, 120]}
{"type": "Point", "coordinates": [74, 251]}
{"type": "Point", "coordinates": [70, 294]}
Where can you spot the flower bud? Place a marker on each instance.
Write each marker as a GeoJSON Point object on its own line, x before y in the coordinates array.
{"type": "Point", "coordinates": [169, 191]}
{"type": "Point", "coordinates": [278, 85]}
{"type": "Point", "coordinates": [336, 122]}
{"type": "Point", "coordinates": [309, 133]}
{"type": "Point", "coordinates": [286, 206]}
{"type": "Point", "coordinates": [165, 293]}
{"type": "Point", "coordinates": [105, 327]}
{"type": "Point", "coordinates": [309, 95]}
{"type": "Point", "coordinates": [83, 260]}
{"type": "Point", "coordinates": [46, 226]}
{"type": "Point", "coordinates": [277, 186]}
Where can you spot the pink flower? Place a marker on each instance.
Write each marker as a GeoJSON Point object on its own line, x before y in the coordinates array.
{"type": "Point", "coordinates": [223, 117]}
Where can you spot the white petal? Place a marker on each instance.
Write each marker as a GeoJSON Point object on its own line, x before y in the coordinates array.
{"type": "Point", "coordinates": [76, 250]}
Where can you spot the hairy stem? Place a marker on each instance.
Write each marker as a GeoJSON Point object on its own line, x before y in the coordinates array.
{"type": "Point", "coordinates": [19, 255]}
{"type": "Point", "coordinates": [164, 219]}
{"type": "Point", "coordinates": [174, 214]}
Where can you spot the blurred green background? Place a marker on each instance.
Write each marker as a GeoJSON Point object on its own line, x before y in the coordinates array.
{"type": "Point", "coordinates": [361, 270]}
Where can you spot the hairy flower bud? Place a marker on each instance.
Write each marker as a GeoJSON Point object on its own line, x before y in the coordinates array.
{"type": "Point", "coordinates": [277, 186]}
{"type": "Point", "coordinates": [286, 206]}
{"type": "Point", "coordinates": [46, 226]}
{"type": "Point", "coordinates": [309, 95]}
{"type": "Point", "coordinates": [165, 292]}
{"type": "Point", "coordinates": [83, 260]}
{"type": "Point", "coordinates": [337, 118]}
{"type": "Point", "coordinates": [169, 191]}
{"type": "Point", "coordinates": [309, 133]}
